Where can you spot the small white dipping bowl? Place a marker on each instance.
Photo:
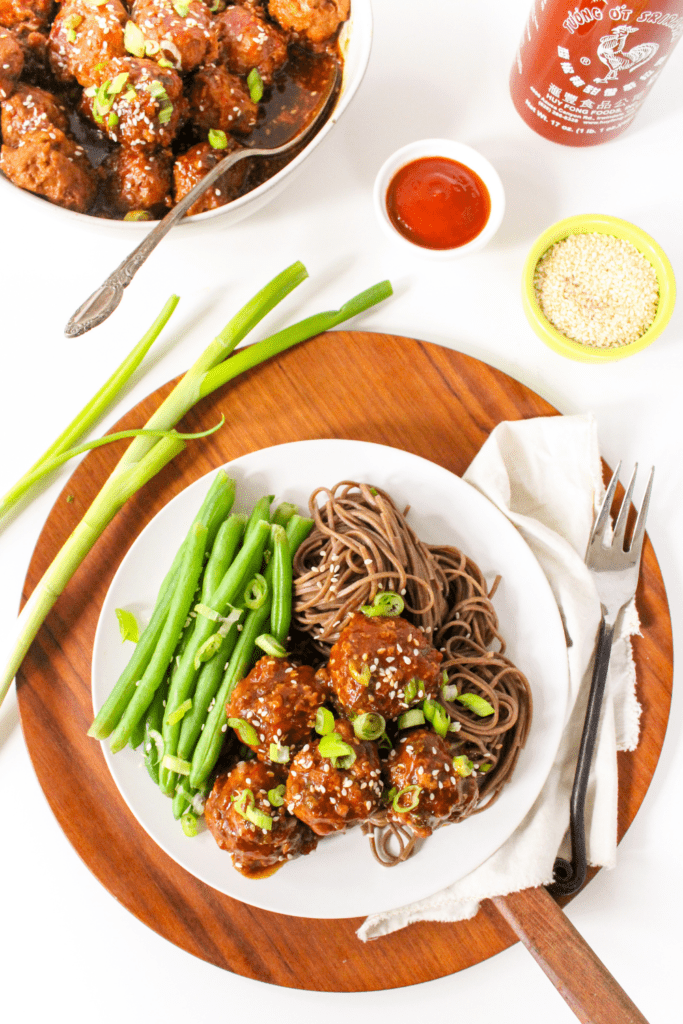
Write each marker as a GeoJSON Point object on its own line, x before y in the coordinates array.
{"type": "Point", "coordinates": [461, 154]}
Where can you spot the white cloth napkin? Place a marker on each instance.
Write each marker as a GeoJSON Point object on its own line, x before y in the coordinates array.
{"type": "Point", "coordinates": [545, 475]}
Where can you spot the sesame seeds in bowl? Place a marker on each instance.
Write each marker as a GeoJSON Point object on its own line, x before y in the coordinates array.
{"type": "Point", "coordinates": [596, 288]}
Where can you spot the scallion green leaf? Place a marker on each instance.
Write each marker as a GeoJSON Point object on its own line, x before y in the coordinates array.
{"type": "Point", "coordinates": [386, 603]}
{"type": "Point", "coordinates": [245, 730]}
{"type": "Point", "coordinates": [270, 645]}
{"type": "Point", "coordinates": [369, 726]}
{"type": "Point", "coordinates": [476, 704]}
{"type": "Point", "coordinates": [324, 721]}
{"type": "Point", "coordinates": [412, 793]}
{"type": "Point", "coordinates": [255, 85]}
{"type": "Point", "coordinates": [411, 718]}
{"type": "Point", "coordinates": [176, 764]}
{"type": "Point", "coordinates": [128, 625]}
{"type": "Point", "coordinates": [463, 765]}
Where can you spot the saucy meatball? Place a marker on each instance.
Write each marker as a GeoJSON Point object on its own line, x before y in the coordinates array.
{"type": "Point", "coordinates": [427, 790]}
{"type": "Point", "coordinates": [50, 164]}
{"type": "Point", "coordinates": [11, 62]}
{"type": "Point", "coordinates": [183, 30]}
{"type": "Point", "coordinates": [374, 660]}
{"type": "Point", "coordinates": [246, 41]}
{"type": "Point", "coordinates": [135, 179]}
{"type": "Point", "coordinates": [329, 798]}
{"type": "Point", "coordinates": [141, 103]}
{"type": "Point", "coordinates": [314, 20]}
{"type": "Point", "coordinates": [191, 167]}
{"type": "Point", "coordinates": [233, 813]}
{"type": "Point", "coordinates": [28, 109]}
{"type": "Point", "coordinates": [219, 99]}
{"type": "Point", "coordinates": [26, 14]}
{"type": "Point", "coordinates": [280, 701]}
{"type": "Point", "coordinates": [83, 36]}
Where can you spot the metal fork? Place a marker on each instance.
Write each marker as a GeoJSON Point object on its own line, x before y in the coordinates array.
{"type": "Point", "coordinates": [615, 569]}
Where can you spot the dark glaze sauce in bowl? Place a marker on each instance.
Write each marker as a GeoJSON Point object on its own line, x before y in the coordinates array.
{"type": "Point", "coordinates": [74, 143]}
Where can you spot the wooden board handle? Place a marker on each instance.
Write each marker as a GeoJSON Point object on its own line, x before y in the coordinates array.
{"type": "Point", "coordinates": [577, 973]}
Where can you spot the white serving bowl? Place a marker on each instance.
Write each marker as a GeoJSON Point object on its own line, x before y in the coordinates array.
{"type": "Point", "coordinates": [462, 154]}
{"type": "Point", "coordinates": [355, 43]}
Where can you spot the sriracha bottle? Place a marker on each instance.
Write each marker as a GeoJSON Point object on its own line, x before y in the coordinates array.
{"type": "Point", "coordinates": [582, 72]}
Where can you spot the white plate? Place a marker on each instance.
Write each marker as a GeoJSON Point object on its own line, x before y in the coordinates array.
{"type": "Point", "coordinates": [341, 878]}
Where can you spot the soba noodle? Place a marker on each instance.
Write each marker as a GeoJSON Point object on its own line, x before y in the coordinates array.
{"type": "Point", "coordinates": [361, 544]}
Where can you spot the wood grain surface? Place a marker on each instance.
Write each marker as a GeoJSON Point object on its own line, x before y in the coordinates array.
{"type": "Point", "coordinates": [372, 387]}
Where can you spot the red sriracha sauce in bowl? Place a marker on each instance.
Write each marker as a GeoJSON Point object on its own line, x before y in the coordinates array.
{"type": "Point", "coordinates": [440, 197]}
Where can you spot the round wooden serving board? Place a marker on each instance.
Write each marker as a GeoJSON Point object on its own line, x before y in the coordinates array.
{"type": "Point", "coordinates": [372, 387]}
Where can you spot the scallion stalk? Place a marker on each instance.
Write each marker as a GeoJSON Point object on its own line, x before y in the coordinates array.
{"type": "Point", "coordinates": [89, 414]}
{"type": "Point", "coordinates": [146, 456]}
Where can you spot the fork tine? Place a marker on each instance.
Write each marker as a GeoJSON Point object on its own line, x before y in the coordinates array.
{"type": "Point", "coordinates": [639, 529]}
{"type": "Point", "coordinates": [622, 518]}
{"type": "Point", "coordinates": [603, 515]}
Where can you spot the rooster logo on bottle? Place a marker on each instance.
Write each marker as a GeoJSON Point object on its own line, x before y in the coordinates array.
{"type": "Point", "coordinates": [611, 52]}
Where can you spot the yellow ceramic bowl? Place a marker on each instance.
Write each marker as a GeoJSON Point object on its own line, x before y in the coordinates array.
{"type": "Point", "coordinates": [607, 226]}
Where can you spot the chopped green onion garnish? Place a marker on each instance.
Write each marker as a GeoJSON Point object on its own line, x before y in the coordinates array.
{"type": "Point", "coordinates": [208, 649]}
{"type": "Point", "coordinates": [276, 796]}
{"type": "Point", "coordinates": [402, 808]}
{"type": "Point", "coordinates": [259, 818]}
{"type": "Point", "coordinates": [176, 764]}
{"type": "Point", "coordinates": [180, 711]}
{"type": "Point", "coordinates": [157, 90]}
{"type": "Point", "coordinates": [385, 603]}
{"type": "Point", "coordinates": [71, 35]}
{"type": "Point", "coordinates": [244, 805]}
{"type": "Point", "coordinates": [437, 716]}
{"type": "Point", "coordinates": [217, 138]}
{"type": "Point", "coordinates": [134, 40]}
{"type": "Point", "coordinates": [188, 822]}
{"type": "Point", "coordinates": [138, 215]}
{"type": "Point", "coordinates": [113, 119]}
{"type": "Point", "coordinates": [463, 765]}
{"type": "Point", "coordinates": [271, 645]}
{"type": "Point", "coordinates": [256, 592]}
{"type": "Point", "coordinates": [128, 625]}
{"type": "Point", "coordinates": [414, 690]}
{"type": "Point", "coordinates": [208, 613]}
{"type": "Point", "coordinates": [245, 730]}
{"type": "Point", "coordinates": [485, 767]}
{"type": "Point", "coordinates": [410, 718]}
{"type": "Point", "coordinates": [449, 691]}
{"type": "Point", "coordinates": [151, 47]}
{"type": "Point", "coordinates": [278, 753]}
{"type": "Point", "coordinates": [361, 675]}
{"type": "Point", "coordinates": [181, 7]}
{"type": "Point", "coordinates": [478, 705]}
{"type": "Point", "coordinates": [255, 85]}
{"type": "Point", "coordinates": [337, 750]}
{"type": "Point", "coordinates": [155, 737]}
{"type": "Point", "coordinates": [118, 83]}
{"type": "Point", "coordinates": [166, 112]}
{"type": "Point", "coordinates": [369, 726]}
{"type": "Point", "coordinates": [324, 721]}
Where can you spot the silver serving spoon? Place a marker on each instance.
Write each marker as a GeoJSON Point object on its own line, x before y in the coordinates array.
{"type": "Point", "coordinates": [104, 301]}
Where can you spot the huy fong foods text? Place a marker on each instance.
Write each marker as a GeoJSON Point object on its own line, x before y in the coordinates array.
{"type": "Point", "coordinates": [581, 73]}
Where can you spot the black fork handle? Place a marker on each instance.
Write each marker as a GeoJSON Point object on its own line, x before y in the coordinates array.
{"type": "Point", "coordinates": [570, 875]}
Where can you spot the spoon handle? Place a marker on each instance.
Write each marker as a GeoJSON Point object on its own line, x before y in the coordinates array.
{"type": "Point", "coordinates": [106, 298]}
{"type": "Point", "coordinates": [104, 301]}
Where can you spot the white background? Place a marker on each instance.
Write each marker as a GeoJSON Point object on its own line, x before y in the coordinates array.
{"type": "Point", "coordinates": [438, 68]}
